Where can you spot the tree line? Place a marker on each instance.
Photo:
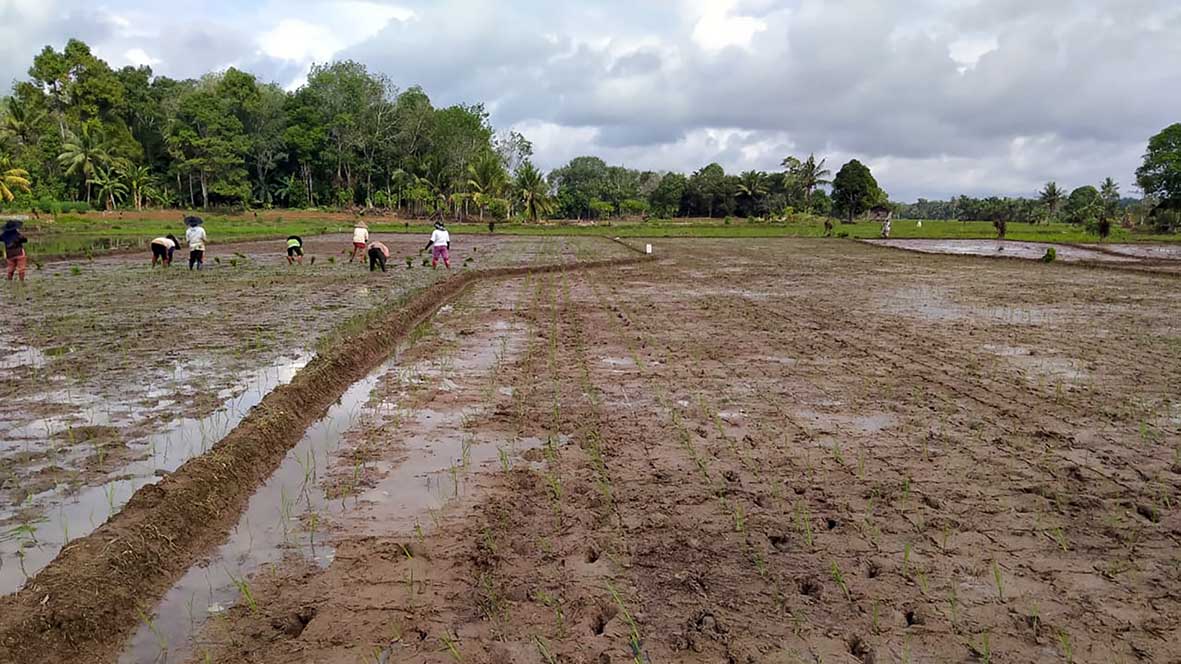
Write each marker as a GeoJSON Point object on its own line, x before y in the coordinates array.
{"type": "Point", "coordinates": [79, 134]}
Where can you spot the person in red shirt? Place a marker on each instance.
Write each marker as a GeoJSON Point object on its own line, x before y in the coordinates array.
{"type": "Point", "coordinates": [14, 249]}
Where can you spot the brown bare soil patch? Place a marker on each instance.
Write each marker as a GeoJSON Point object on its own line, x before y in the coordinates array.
{"type": "Point", "coordinates": [790, 451]}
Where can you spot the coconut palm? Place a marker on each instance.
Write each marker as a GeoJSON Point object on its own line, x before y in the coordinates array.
{"type": "Point", "coordinates": [807, 174]}
{"type": "Point", "coordinates": [12, 178]}
{"type": "Point", "coordinates": [752, 185]}
{"type": "Point", "coordinates": [110, 186]}
{"type": "Point", "coordinates": [486, 180]}
{"type": "Point", "coordinates": [1052, 197]}
{"type": "Point", "coordinates": [534, 191]}
{"type": "Point", "coordinates": [20, 122]}
{"type": "Point", "coordinates": [83, 153]}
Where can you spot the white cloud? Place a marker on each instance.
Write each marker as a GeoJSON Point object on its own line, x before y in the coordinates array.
{"type": "Point", "coordinates": [719, 27]}
{"type": "Point", "coordinates": [137, 56]}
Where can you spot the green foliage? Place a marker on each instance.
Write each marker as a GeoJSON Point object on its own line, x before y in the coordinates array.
{"type": "Point", "coordinates": [1084, 205]}
{"type": "Point", "coordinates": [1160, 174]}
{"type": "Point", "coordinates": [1051, 255]}
{"type": "Point", "coordinates": [855, 191]}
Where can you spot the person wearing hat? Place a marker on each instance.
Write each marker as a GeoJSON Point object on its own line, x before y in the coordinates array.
{"type": "Point", "coordinates": [294, 250]}
{"type": "Point", "coordinates": [378, 255]}
{"type": "Point", "coordinates": [441, 241]}
{"type": "Point", "coordinates": [360, 238]}
{"type": "Point", "coordinates": [14, 249]}
{"type": "Point", "coordinates": [195, 237]}
{"type": "Point", "coordinates": [162, 248]}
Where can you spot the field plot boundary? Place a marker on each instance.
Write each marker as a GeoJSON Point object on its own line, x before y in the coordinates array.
{"type": "Point", "coordinates": [1141, 267]}
{"type": "Point", "coordinates": [88, 599]}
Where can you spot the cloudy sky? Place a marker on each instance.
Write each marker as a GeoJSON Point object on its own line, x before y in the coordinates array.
{"type": "Point", "coordinates": [939, 97]}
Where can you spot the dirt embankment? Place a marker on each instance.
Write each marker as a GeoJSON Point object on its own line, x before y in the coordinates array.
{"type": "Point", "coordinates": [81, 606]}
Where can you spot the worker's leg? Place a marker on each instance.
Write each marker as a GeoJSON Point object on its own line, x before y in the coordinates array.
{"type": "Point", "coordinates": [447, 257]}
{"type": "Point", "coordinates": [11, 268]}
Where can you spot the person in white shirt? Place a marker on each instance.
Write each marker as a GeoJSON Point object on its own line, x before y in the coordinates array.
{"type": "Point", "coordinates": [441, 241]}
{"type": "Point", "coordinates": [360, 240]}
{"type": "Point", "coordinates": [162, 248]}
{"type": "Point", "coordinates": [195, 237]}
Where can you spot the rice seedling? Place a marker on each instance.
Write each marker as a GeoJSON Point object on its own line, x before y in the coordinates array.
{"type": "Point", "coordinates": [906, 560]}
{"type": "Point", "coordinates": [982, 648]}
{"type": "Point", "coordinates": [544, 651]}
{"type": "Point", "coordinates": [244, 590]}
{"type": "Point", "coordinates": [635, 643]}
{"type": "Point", "coordinates": [996, 576]}
{"type": "Point", "coordinates": [161, 640]}
{"type": "Point", "coordinates": [804, 522]}
{"type": "Point", "coordinates": [451, 645]}
{"type": "Point", "coordinates": [839, 578]}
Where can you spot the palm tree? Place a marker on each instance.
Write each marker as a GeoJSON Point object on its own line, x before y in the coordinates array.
{"type": "Point", "coordinates": [534, 191]}
{"type": "Point", "coordinates": [487, 179]}
{"type": "Point", "coordinates": [12, 178]}
{"type": "Point", "coordinates": [807, 175]}
{"type": "Point", "coordinates": [752, 185]}
{"type": "Point", "coordinates": [110, 187]}
{"type": "Point", "coordinates": [83, 153]}
{"type": "Point", "coordinates": [1051, 197]}
{"type": "Point", "coordinates": [1109, 192]}
{"type": "Point", "coordinates": [21, 123]}
{"type": "Point", "coordinates": [139, 180]}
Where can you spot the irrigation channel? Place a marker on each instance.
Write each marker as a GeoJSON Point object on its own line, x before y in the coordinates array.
{"type": "Point", "coordinates": [88, 599]}
{"type": "Point", "coordinates": [70, 516]}
{"type": "Point", "coordinates": [440, 458]}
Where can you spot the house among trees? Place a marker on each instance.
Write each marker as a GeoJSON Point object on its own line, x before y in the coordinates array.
{"type": "Point", "coordinates": [880, 213]}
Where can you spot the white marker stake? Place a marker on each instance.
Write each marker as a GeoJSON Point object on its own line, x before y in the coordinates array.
{"type": "Point", "coordinates": [647, 248]}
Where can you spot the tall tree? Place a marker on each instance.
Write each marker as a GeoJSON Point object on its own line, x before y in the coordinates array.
{"type": "Point", "coordinates": [807, 175]}
{"type": "Point", "coordinates": [1160, 174]}
{"type": "Point", "coordinates": [83, 153]}
{"type": "Point", "coordinates": [1051, 197]}
{"type": "Point", "coordinates": [534, 192]}
{"type": "Point", "coordinates": [854, 190]}
{"type": "Point", "coordinates": [1083, 205]}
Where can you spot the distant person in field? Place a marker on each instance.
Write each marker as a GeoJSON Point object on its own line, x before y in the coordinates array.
{"type": "Point", "coordinates": [162, 248]}
{"type": "Point", "coordinates": [360, 239]}
{"type": "Point", "coordinates": [195, 237]}
{"type": "Point", "coordinates": [378, 255]}
{"type": "Point", "coordinates": [294, 250]}
{"type": "Point", "coordinates": [441, 243]}
{"type": "Point", "coordinates": [14, 249]}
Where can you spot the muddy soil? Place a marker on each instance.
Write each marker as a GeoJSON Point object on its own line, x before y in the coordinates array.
{"type": "Point", "coordinates": [785, 452]}
{"type": "Point", "coordinates": [114, 374]}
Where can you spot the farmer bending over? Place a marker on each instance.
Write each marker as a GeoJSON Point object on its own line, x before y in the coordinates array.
{"type": "Point", "coordinates": [294, 250]}
{"type": "Point", "coordinates": [360, 238]}
{"type": "Point", "coordinates": [441, 240]}
{"type": "Point", "coordinates": [14, 248]}
{"type": "Point", "coordinates": [195, 237]}
{"type": "Point", "coordinates": [162, 248]}
{"type": "Point", "coordinates": [378, 253]}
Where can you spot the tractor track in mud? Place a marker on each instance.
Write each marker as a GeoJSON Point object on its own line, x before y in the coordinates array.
{"type": "Point", "coordinates": [83, 604]}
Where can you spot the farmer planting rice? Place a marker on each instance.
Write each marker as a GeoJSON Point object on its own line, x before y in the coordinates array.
{"type": "Point", "coordinates": [162, 249]}
{"type": "Point", "coordinates": [360, 238]}
{"type": "Point", "coordinates": [195, 237]}
{"type": "Point", "coordinates": [14, 249]}
{"type": "Point", "coordinates": [441, 241]}
{"type": "Point", "coordinates": [294, 250]}
{"type": "Point", "coordinates": [378, 254]}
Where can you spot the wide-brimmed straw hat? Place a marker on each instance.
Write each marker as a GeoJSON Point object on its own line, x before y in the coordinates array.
{"type": "Point", "coordinates": [362, 224]}
{"type": "Point", "coordinates": [193, 221]}
{"type": "Point", "coordinates": [439, 225]}
{"type": "Point", "coordinates": [13, 224]}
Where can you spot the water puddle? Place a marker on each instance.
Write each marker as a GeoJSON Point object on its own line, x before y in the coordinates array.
{"type": "Point", "coordinates": [438, 460]}
{"type": "Point", "coordinates": [1027, 250]}
{"type": "Point", "coordinates": [27, 548]}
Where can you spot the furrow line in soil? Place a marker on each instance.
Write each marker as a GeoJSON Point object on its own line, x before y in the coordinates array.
{"type": "Point", "coordinates": [90, 596]}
